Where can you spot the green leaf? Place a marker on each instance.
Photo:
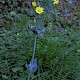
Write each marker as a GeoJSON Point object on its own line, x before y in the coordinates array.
{"type": "Point", "coordinates": [16, 69]}
{"type": "Point", "coordinates": [4, 76]}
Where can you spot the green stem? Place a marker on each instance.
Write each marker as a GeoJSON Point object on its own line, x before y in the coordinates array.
{"type": "Point", "coordinates": [34, 47]}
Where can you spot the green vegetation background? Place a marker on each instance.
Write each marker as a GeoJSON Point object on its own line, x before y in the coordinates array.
{"type": "Point", "coordinates": [58, 51]}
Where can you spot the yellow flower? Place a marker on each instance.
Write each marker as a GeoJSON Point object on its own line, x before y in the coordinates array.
{"type": "Point", "coordinates": [34, 4]}
{"type": "Point", "coordinates": [56, 2]}
{"type": "Point", "coordinates": [39, 10]}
